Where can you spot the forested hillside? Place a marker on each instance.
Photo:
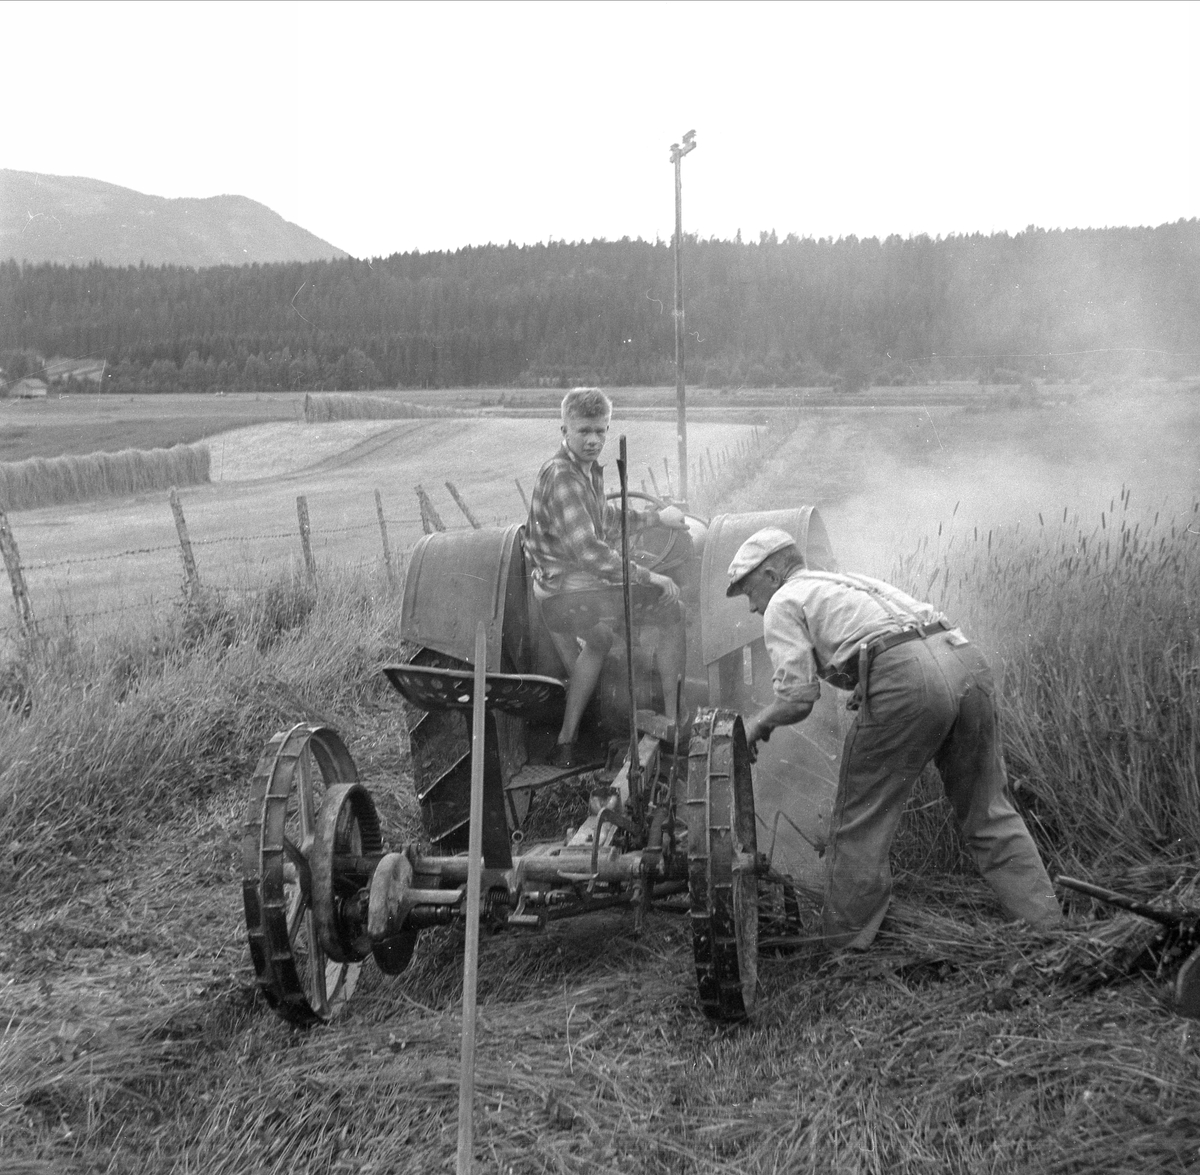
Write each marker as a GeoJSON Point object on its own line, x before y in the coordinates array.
{"type": "Point", "coordinates": [790, 312]}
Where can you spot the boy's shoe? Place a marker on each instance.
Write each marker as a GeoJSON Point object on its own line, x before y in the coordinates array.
{"type": "Point", "coordinates": [566, 756]}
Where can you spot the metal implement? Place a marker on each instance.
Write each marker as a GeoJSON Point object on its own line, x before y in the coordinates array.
{"type": "Point", "coordinates": [1178, 943]}
{"type": "Point", "coordinates": [1112, 898]}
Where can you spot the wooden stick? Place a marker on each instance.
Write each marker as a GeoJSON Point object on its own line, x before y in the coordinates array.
{"type": "Point", "coordinates": [189, 562]}
{"type": "Point", "coordinates": [462, 505]}
{"type": "Point", "coordinates": [310, 564]}
{"type": "Point", "coordinates": [466, 1082]}
{"type": "Point", "coordinates": [12, 563]}
{"type": "Point", "coordinates": [387, 550]}
{"type": "Point", "coordinates": [430, 519]}
{"type": "Point", "coordinates": [521, 491]}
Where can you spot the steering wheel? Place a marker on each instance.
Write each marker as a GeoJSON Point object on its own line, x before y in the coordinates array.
{"type": "Point", "coordinates": [650, 549]}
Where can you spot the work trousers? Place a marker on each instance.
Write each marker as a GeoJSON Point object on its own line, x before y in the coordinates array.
{"type": "Point", "coordinates": [928, 700]}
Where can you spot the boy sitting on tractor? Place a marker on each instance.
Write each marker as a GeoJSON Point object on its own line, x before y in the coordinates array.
{"type": "Point", "coordinates": [577, 573]}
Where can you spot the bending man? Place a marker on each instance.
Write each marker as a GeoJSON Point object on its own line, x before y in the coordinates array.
{"type": "Point", "coordinates": [924, 693]}
{"type": "Point", "coordinates": [577, 572]}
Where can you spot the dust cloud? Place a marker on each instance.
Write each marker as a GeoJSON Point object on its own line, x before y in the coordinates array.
{"type": "Point", "coordinates": [899, 478]}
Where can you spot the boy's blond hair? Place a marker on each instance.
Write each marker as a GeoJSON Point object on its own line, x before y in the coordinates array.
{"type": "Point", "coordinates": [586, 403]}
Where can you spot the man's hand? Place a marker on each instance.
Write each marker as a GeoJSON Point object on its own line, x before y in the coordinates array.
{"type": "Point", "coordinates": [666, 585]}
{"type": "Point", "coordinates": [778, 713]}
{"type": "Point", "coordinates": [756, 732]}
{"type": "Point", "coordinates": [673, 517]}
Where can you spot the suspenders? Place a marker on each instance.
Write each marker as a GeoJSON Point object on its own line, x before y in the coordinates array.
{"type": "Point", "coordinates": [900, 613]}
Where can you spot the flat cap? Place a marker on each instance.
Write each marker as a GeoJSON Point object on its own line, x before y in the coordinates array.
{"type": "Point", "coordinates": [753, 551]}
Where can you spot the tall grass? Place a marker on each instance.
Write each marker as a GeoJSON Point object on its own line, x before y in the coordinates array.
{"type": "Point", "coordinates": [1095, 629]}
{"type": "Point", "coordinates": [115, 733]}
{"type": "Point", "coordinates": [321, 407]}
{"type": "Point", "coordinates": [49, 481]}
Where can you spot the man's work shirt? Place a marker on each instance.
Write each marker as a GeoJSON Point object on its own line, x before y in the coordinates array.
{"type": "Point", "coordinates": [569, 523]}
{"type": "Point", "coordinates": [814, 624]}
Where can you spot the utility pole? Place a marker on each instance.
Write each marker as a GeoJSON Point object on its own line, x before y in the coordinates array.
{"type": "Point", "coordinates": [677, 154]}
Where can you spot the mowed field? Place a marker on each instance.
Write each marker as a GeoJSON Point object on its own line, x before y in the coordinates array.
{"type": "Point", "coordinates": [78, 424]}
{"type": "Point", "coordinates": [107, 560]}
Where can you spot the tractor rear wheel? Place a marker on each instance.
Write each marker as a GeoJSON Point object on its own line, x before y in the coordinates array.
{"type": "Point", "coordinates": [722, 865]}
{"type": "Point", "coordinates": [307, 810]}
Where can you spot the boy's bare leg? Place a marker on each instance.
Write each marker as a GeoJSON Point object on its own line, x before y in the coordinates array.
{"type": "Point", "coordinates": [568, 649]}
{"type": "Point", "coordinates": [584, 676]}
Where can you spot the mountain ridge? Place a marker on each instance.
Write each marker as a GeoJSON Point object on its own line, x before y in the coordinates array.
{"type": "Point", "coordinates": [74, 220]}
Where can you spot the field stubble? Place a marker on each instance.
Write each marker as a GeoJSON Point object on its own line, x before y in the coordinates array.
{"type": "Point", "coordinates": [135, 1040]}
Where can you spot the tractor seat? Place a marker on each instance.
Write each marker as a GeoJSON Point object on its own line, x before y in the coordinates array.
{"type": "Point", "coordinates": [524, 695]}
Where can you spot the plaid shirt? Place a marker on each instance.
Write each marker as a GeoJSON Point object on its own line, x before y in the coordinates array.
{"type": "Point", "coordinates": [570, 525]}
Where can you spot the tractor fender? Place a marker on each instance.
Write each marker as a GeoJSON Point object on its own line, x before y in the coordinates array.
{"type": "Point", "coordinates": [727, 624]}
{"type": "Point", "coordinates": [457, 578]}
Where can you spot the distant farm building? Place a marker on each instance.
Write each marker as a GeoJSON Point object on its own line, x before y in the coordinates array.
{"type": "Point", "coordinates": [92, 370]}
{"type": "Point", "coordinates": [28, 389]}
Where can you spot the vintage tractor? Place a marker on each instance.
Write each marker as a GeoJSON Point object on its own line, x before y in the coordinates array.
{"type": "Point", "coordinates": [672, 813]}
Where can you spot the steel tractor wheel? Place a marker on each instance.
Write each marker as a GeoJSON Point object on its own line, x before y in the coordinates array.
{"type": "Point", "coordinates": [723, 865]}
{"type": "Point", "coordinates": [310, 843]}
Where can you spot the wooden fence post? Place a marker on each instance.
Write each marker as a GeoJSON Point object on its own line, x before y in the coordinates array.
{"type": "Point", "coordinates": [430, 520]}
{"type": "Point", "coordinates": [190, 575]}
{"type": "Point", "coordinates": [12, 563]}
{"type": "Point", "coordinates": [521, 491]}
{"type": "Point", "coordinates": [461, 504]}
{"type": "Point", "coordinates": [306, 538]}
{"type": "Point", "coordinates": [387, 550]}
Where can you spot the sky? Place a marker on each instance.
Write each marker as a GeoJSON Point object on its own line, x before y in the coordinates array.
{"type": "Point", "coordinates": [387, 128]}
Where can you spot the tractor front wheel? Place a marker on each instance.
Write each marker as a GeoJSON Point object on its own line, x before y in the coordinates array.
{"type": "Point", "coordinates": [311, 833]}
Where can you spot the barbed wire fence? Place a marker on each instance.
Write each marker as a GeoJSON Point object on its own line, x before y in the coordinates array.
{"type": "Point", "coordinates": [157, 576]}
{"type": "Point", "coordinates": [88, 588]}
